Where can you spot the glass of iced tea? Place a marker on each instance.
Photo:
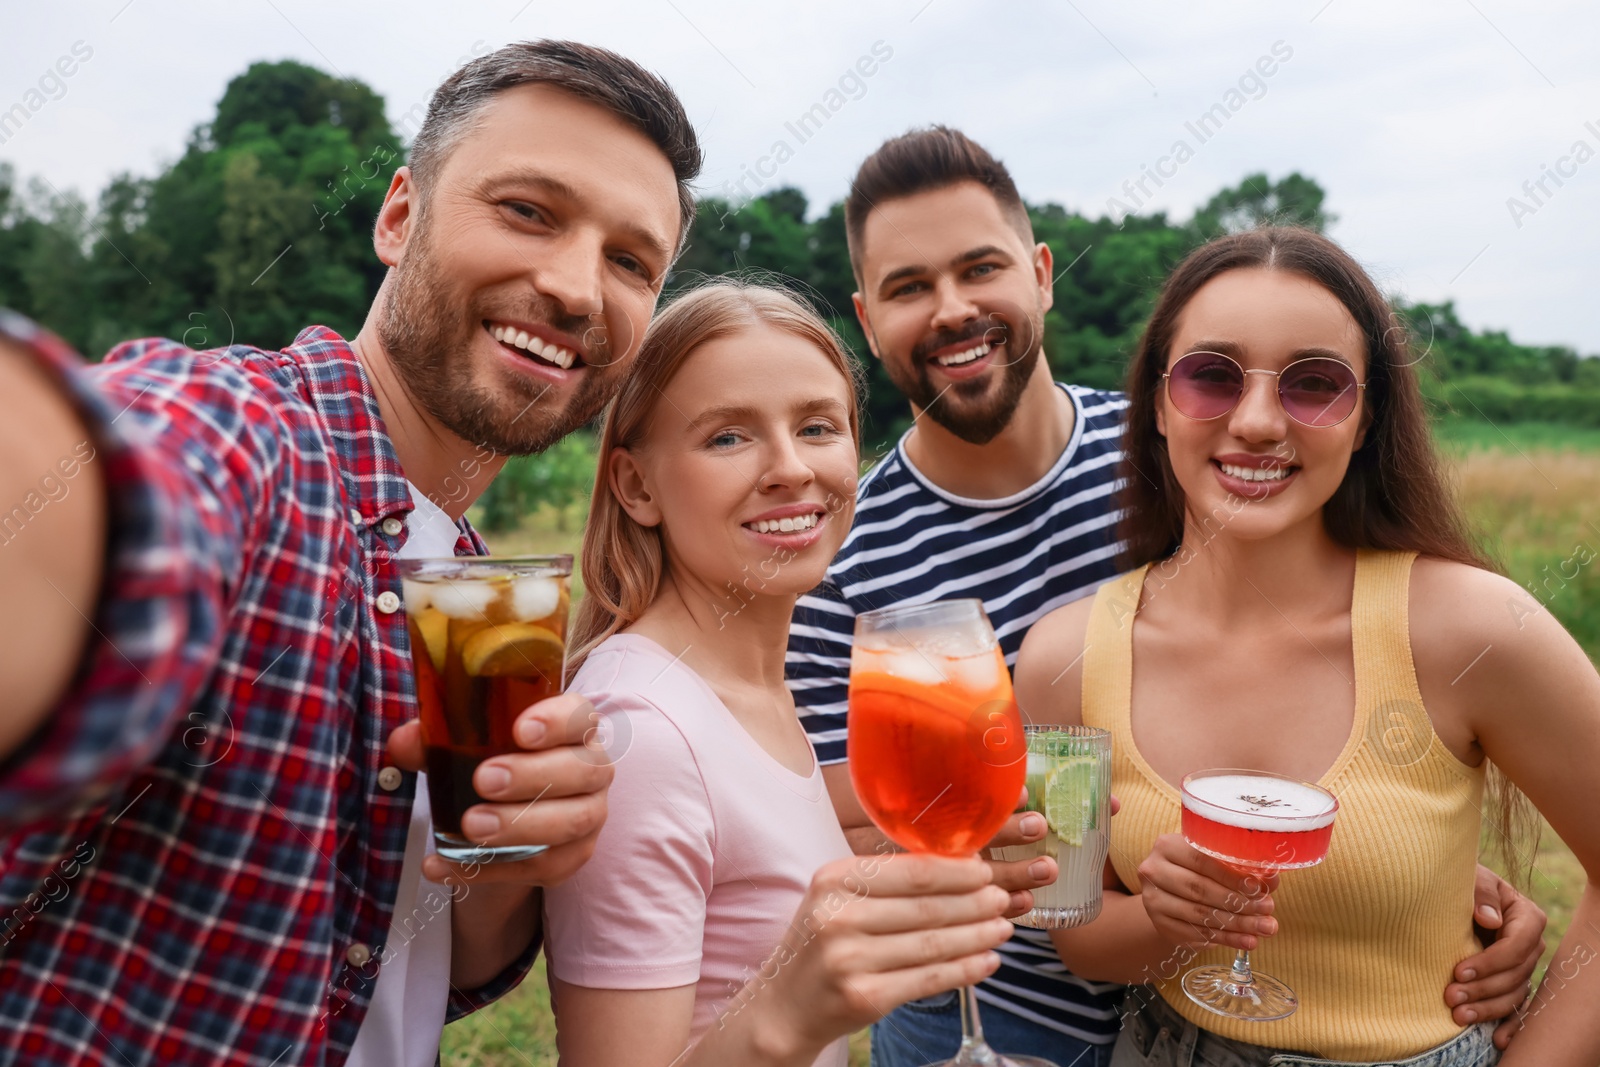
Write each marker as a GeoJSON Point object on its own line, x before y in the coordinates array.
{"type": "Point", "coordinates": [489, 638]}
{"type": "Point", "coordinates": [937, 752]}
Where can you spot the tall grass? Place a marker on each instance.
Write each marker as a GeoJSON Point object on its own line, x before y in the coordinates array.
{"type": "Point", "coordinates": [1538, 511]}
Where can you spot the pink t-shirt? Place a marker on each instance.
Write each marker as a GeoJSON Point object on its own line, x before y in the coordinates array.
{"type": "Point", "coordinates": [708, 847]}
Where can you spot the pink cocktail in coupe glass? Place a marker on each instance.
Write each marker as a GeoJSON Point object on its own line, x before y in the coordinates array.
{"type": "Point", "coordinates": [1255, 822]}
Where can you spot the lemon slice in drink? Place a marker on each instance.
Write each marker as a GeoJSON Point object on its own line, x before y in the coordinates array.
{"type": "Point", "coordinates": [1071, 798]}
{"type": "Point", "coordinates": [434, 626]}
{"type": "Point", "coordinates": [512, 649]}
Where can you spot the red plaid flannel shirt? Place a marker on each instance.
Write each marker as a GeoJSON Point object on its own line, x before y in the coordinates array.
{"type": "Point", "coordinates": [198, 863]}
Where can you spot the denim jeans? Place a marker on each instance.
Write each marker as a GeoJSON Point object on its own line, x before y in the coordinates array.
{"type": "Point", "coordinates": [929, 1031]}
{"type": "Point", "coordinates": [1156, 1036]}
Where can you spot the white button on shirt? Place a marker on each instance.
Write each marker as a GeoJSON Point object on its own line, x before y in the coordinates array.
{"type": "Point", "coordinates": [391, 526]}
{"type": "Point", "coordinates": [387, 602]}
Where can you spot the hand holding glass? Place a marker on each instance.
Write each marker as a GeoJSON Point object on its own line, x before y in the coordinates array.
{"type": "Point", "coordinates": [937, 752]}
{"type": "Point", "coordinates": [1069, 783]}
{"type": "Point", "coordinates": [1256, 823]}
{"type": "Point", "coordinates": [488, 638]}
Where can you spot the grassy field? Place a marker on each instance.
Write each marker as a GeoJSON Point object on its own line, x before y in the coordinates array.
{"type": "Point", "coordinates": [1534, 494]}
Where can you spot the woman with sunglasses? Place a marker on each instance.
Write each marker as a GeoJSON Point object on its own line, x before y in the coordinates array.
{"type": "Point", "coordinates": [1307, 601]}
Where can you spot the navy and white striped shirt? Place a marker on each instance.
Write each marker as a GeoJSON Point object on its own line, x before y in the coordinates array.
{"type": "Point", "coordinates": [1023, 555]}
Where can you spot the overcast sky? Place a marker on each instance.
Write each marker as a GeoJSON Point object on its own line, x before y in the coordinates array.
{"type": "Point", "coordinates": [1420, 119]}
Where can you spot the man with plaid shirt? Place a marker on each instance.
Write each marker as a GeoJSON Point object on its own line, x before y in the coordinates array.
{"type": "Point", "coordinates": [206, 745]}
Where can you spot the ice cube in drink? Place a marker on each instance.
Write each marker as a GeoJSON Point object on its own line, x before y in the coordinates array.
{"type": "Point", "coordinates": [936, 749]}
{"type": "Point", "coordinates": [488, 639]}
{"type": "Point", "coordinates": [1258, 822]}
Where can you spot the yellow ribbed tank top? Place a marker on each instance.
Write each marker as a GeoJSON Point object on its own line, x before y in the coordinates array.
{"type": "Point", "coordinates": [1369, 937]}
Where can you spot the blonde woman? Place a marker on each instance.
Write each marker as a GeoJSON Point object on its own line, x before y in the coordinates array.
{"type": "Point", "coordinates": [722, 919]}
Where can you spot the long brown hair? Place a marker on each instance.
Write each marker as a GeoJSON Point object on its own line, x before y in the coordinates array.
{"type": "Point", "coordinates": [1395, 494]}
{"type": "Point", "coordinates": [622, 561]}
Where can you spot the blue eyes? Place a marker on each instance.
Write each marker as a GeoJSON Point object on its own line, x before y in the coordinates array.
{"type": "Point", "coordinates": [814, 431]}
{"type": "Point", "coordinates": [979, 270]}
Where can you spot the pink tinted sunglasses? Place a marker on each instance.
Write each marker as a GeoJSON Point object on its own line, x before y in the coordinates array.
{"type": "Point", "coordinates": [1317, 391]}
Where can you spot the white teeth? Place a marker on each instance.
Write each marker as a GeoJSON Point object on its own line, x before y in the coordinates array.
{"type": "Point", "coordinates": [964, 357]}
{"type": "Point", "coordinates": [797, 524]}
{"type": "Point", "coordinates": [1256, 474]}
{"type": "Point", "coordinates": [561, 357]}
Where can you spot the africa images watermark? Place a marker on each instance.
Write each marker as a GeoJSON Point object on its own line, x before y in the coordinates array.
{"type": "Point", "coordinates": [1537, 191]}
{"type": "Point", "coordinates": [851, 85]}
{"type": "Point", "coordinates": [52, 490]}
{"type": "Point", "coordinates": [51, 85]}
{"type": "Point", "coordinates": [1252, 85]}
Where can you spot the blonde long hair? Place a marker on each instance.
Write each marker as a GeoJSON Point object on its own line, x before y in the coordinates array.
{"type": "Point", "coordinates": [623, 561]}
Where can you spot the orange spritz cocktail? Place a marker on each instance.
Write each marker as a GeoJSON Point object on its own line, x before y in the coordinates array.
{"type": "Point", "coordinates": [937, 753]}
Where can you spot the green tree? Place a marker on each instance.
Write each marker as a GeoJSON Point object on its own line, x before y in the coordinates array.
{"type": "Point", "coordinates": [1258, 201]}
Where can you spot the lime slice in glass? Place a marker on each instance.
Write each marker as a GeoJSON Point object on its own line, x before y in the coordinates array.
{"type": "Point", "coordinates": [1070, 798]}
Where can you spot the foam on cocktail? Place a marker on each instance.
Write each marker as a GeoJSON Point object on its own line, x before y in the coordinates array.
{"type": "Point", "coordinates": [1252, 802]}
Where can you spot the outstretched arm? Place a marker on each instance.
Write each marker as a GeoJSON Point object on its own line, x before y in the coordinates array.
{"type": "Point", "coordinates": [176, 466]}
{"type": "Point", "coordinates": [52, 542]}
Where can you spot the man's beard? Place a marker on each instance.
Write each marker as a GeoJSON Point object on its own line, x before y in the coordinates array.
{"type": "Point", "coordinates": [960, 408]}
{"type": "Point", "coordinates": [430, 343]}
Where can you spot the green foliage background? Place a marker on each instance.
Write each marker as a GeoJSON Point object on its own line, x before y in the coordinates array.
{"type": "Point", "coordinates": [263, 226]}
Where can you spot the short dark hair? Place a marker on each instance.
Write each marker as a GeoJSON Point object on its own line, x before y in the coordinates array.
{"type": "Point", "coordinates": [641, 99]}
{"type": "Point", "coordinates": [920, 161]}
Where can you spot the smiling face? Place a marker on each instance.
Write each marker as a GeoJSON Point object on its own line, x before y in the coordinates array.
{"type": "Point", "coordinates": [530, 269]}
{"type": "Point", "coordinates": [747, 466]}
{"type": "Point", "coordinates": [1254, 468]}
{"type": "Point", "coordinates": [953, 300]}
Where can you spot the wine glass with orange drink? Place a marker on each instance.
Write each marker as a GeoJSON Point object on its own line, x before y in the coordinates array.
{"type": "Point", "coordinates": [938, 755]}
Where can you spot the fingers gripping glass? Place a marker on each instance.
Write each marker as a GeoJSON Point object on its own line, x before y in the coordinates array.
{"type": "Point", "coordinates": [1319, 391]}
{"type": "Point", "coordinates": [937, 752]}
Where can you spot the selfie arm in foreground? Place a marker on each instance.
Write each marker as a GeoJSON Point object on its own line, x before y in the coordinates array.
{"type": "Point", "coordinates": [116, 574]}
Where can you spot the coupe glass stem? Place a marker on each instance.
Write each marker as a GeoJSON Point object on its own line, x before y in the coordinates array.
{"type": "Point", "coordinates": [975, 1052]}
{"type": "Point", "coordinates": [1241, 970]}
